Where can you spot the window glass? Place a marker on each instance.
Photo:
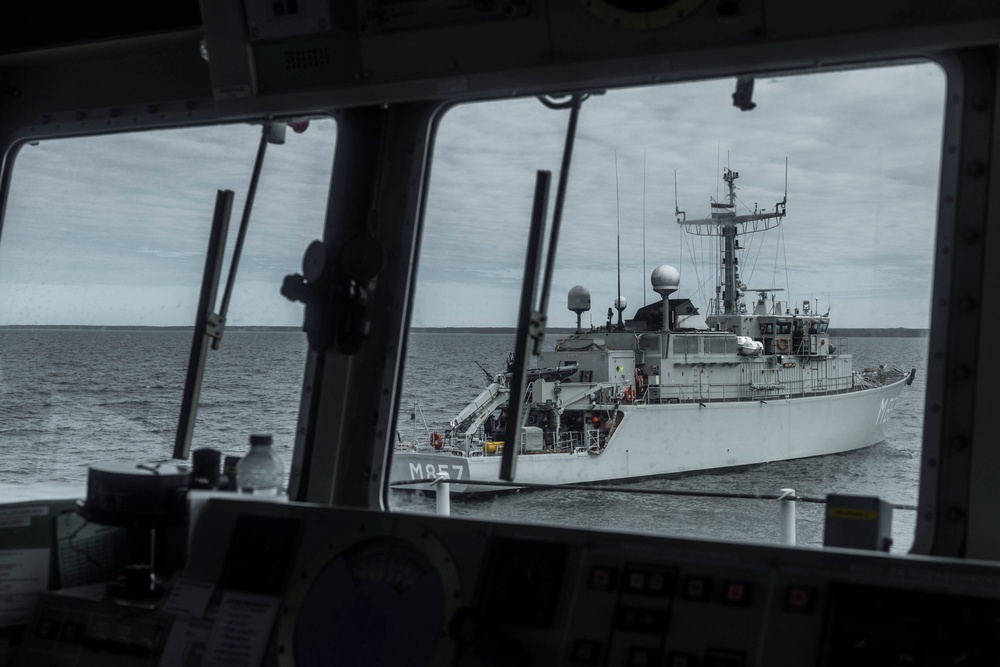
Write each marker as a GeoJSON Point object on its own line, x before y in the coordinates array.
{"type": "Point", "coordinates": [720, 345]}
{"type": "Point", "coordinates": [686, 345]}
{"type": "Point", "coordinates": [862, 150]}
{"type": "Point", "coordinates": [103, 248]}
{"type": "Point", "coordinates": [649, 343]}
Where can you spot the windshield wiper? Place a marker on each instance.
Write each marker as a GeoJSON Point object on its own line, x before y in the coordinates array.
{"type": "Point", "coordinates": [209, 325]}
{"type": "Point", "coordinates": [531, 322]}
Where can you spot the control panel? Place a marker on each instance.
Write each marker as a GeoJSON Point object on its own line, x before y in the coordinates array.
{"type": "Point", "coordinates": [294, 584]}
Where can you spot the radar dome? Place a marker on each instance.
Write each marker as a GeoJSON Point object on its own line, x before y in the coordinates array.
{"type": "Point", "coordinates": [578, 300]}
{"type": "Point", "coordinates": [665, 279]}
{"type": "Point", "coordinates": [621, 303]}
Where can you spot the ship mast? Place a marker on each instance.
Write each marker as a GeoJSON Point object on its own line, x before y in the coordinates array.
{"type": "Point", "coordinates": [728, 229]}
{"type": "Point", "coordinates": [726, 224]}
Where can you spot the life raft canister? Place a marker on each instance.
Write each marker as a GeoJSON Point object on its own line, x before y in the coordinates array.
{"type": "Point", "coordinates": [436, 440]}
{"type": "Point", "coordinates": [782, 344]}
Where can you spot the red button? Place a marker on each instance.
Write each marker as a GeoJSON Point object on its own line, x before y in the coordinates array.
{"type": "Point", "coordinates": [737, 592]}
{"type": "Point", "coordinates": [800, 599]}
{"type": "Point", "coordinates": [602, 578]}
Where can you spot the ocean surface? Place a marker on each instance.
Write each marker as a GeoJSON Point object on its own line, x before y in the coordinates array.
{"type": "Point", "coordinates": [70, 398]}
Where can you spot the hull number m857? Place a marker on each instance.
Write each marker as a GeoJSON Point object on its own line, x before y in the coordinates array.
{"type": "Point", "coordinates": [885, 409]}
{"type": "Point", "coordinates": [431, 470]}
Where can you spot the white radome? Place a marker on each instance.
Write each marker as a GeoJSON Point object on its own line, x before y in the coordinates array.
{"type": "Point", "coordinates": [665, 279]}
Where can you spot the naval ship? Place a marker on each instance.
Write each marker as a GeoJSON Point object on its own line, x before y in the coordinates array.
{"type": "Point", "coordinates": [331, 576]}
{"type": "Point", "coordinates": [656, 395]}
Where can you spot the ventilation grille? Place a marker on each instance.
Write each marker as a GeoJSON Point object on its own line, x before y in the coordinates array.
{"type": "Point", "coordinates": [307, 58]}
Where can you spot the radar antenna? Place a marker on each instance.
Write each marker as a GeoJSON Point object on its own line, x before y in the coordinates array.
{"type": "Point", "coordinates": [726, 224]}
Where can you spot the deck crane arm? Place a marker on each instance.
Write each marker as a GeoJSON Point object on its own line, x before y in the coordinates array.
{"type": "Point", "coordinates": [475, 413]}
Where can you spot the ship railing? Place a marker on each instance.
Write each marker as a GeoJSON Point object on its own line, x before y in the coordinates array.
{"type": "Point", "coordinates": [882, 375]}
{"type": "Point", "coordinates": [729, 392]}
{"type": "Point", "coordinates": [839, 343]}
{"type": "Point", "coordinates": [865, 382]}
{"type": "Point", "coordinates": [441, 484]}
{"type": "Point", "coordinates": [568, 442]}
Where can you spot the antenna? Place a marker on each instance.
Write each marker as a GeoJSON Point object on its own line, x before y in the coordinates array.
{"type": "Point", "coordinates": [718, 167]}
{"type": "Point", "coordinates": [619, 216]}
{"type": "Point", "coordinates": [681, 215]}
{"type": "Point", "coordinates": [784, 197]}
{"type": "Point", "coordinates": [644, 226]}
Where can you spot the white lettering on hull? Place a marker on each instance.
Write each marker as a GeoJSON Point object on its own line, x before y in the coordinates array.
{"type": "Point", "coordinates": [885, 409]}
{"type": "Point", "coordinates": [430, 470]}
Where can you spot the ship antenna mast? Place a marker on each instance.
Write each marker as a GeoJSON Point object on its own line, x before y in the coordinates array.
{"type": "Point", "coordinates": [681, 215]}
{"type": "Point", "coordinates": [723, 222]}
{"type": "Point", "coordinates": [730, 286]}
{"type": "Point", "coordinates": [784, 197]}
{"type": "Point", "coordinates": [618, 215]}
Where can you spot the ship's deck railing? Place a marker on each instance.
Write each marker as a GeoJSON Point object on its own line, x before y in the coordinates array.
{"type": "Point", "coordinates": [730, 392]}
{"type": "Point", "coordinates": [568, 442]}
{"type": "Point", "coordinates": [442, 487]}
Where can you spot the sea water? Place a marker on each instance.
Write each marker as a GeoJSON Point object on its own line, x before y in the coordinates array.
{"type": "Point", "coordinates": [69, 398]}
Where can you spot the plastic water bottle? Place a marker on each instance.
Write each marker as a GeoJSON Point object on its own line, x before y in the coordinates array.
{"type": "Point", "coordinates": [260, 472]}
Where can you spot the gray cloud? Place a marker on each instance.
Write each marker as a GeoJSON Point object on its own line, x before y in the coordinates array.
{"type": "Point", "coordinates": [863, 151]}
{"type": "Point", "coordinates": [120, 224]}
{"type": "Point", "coordinates": [132, 212]}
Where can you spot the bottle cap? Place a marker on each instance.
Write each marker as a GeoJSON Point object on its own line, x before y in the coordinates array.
{"type": "Point", "coordinates": [260, 439]}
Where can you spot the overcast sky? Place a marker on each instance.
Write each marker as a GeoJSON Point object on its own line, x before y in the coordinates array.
{"type": "Point", "coordinates": [863, 153]}
{"type": "Point", "coordinates": [113, 230]}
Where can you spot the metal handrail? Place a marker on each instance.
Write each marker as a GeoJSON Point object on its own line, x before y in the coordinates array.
{"type": "Point", "coordinates": [534, 486]}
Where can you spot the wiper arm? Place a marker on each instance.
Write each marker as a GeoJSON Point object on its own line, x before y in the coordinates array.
{"type": "Point", "coordinates": [531, 322]}
{"type": "Point", "coordinates": [272, 133]}
{"type": "Point", "coordinates": [206, 323]}
{"type": "Point", "coordinates": [209, 325]}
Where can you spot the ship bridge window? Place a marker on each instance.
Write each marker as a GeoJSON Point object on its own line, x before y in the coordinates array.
{"type": "Point", "coordinates": [649, 342]}
{"type": "Point", "coordinates": [687, 344]}
{"type": "Point", "coordinates": [102, 256]}
{"type": "Point", "coordinates": [720, 345]}
{"type": "Point", "coordinates": [863, 153]}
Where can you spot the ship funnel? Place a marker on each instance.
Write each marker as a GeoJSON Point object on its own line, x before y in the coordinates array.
{"type": "Point", "coordinates": [665, 280]}
{"type": "Point", "coordinates": [578, 301]}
